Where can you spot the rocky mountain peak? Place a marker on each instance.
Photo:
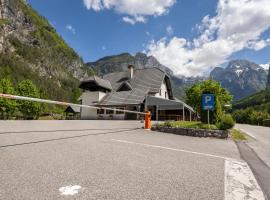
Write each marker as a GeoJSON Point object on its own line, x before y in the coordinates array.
{"type": "Point", "coordinates": [241, 77]}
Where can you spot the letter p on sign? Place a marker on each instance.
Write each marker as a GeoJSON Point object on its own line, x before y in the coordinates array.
{"type": "Point", "coordinates": [208, 101]}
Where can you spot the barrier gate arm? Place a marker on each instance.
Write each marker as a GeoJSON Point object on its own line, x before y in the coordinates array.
{"type": "Point", "coordinates": [147, 121]}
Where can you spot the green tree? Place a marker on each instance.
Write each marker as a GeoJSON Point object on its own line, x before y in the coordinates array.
{"type": "Point", "coordinates": [29, 109]}
{"type": "Point", "coordinates": [222, 97]}
{"type": "Point", "coordinates": [7, 107]}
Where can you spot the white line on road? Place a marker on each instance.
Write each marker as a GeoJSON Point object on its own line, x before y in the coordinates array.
{"type": "Point", "coordinates": [172, 149]}
{"type": "Point", "coordinates": [239, 181]}
{"type": "Point", "coordinates": [248, 133]}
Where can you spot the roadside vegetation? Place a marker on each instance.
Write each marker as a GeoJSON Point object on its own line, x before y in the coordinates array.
{"type": "Point", "coordinates": [254, 110]}
{"type": "Point", "coordinates": [219, 118]}
{"type": "Point", "coordinates": [187, 124]}
{"type": "Point", "coordinates": [238, 135]}
{"type": "Point", "coordinates": [16, 109]}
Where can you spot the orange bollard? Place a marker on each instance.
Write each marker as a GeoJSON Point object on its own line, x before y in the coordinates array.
{"type": "Point", "coordinates": [147, 120]}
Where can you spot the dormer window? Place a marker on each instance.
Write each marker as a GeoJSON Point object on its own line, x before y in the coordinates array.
{"type": "Point", "coordinates": [124, 87]}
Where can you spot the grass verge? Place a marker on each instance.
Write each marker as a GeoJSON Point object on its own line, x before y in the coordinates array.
{"type": "Point", "coordinates": [238, 135]}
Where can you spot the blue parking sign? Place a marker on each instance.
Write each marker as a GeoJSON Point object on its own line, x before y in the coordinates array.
{"type": "Point", "coordinates": [208, 102]}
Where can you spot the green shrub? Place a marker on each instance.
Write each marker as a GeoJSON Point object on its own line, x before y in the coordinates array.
{"type": "Point", "coordinates": [266, 122]}
{"type": "Point", "coordinates": [168, 124]}
{"type": "Point", "coordinates": [226, 122]}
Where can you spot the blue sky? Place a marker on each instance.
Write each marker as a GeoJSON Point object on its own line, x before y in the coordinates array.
{"type": "Point", "coordinates": [173, 30]}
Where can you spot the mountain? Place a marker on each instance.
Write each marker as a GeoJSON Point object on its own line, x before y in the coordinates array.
{"type": "Point", "coordinates": [258, 99]}
{"type": "Point", "coordinates": [241, 77]}
{"type": "Point", "coordinates": [120, 62]}
{"type": "Point", "coordinates": [268, 78]}
{"type": "Point", "coordinates": [31, 49]}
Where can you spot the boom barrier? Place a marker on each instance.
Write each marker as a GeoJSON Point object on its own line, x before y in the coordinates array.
{"type": "Point", "coordinates": [147, 118]}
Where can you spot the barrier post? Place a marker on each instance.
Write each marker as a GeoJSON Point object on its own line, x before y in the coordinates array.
{"type": "Point", "coordinates": [147, 120]}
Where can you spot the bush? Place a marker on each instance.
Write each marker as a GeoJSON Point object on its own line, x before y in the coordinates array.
{"type": "Point", "coordinates": [168, 124]}
{"type": "Point", "coordinates": [266, 122]}
{"type": "Point", "coordinates": [226, 122]}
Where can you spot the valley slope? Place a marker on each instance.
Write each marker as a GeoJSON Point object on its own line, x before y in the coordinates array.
{"type": "Point", "coordinates": [31, 49]}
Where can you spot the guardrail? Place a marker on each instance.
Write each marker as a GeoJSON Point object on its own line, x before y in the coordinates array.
{"type": "Point", "coordinates": [147, 120]}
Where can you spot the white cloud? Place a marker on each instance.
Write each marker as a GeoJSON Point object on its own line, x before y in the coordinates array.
{"type": "Point", "coordinates": [134, 20]}
{"type": "Point", "coordinates": [136, 10]}
{"type": "Point", "coordinates": [265, 66]}
{"type": "Point", "coordinates": [236, 25]}
{"type": "Point", "coordinates": [147, 33]}
{"type": "Point", "coordinates": [169, 30]}
{"type": "Point", "coordinates": [103, 47]}
{"type": "Point", "coordinates": [258, 44]}
{"type": "Point", "coordinates": [71, 29]}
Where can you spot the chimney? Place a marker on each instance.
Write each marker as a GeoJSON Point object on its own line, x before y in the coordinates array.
{"type": "Point", "coordinates": [131, 71]}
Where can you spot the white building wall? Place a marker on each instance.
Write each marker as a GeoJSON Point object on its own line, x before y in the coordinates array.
{"type": "Point", "coordinates": [90, 98]}
{"type": "Point", "coordinates": [163, 91]}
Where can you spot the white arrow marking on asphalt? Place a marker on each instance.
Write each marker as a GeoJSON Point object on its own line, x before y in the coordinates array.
{"type": "Point", "coordinates": [70, 190]}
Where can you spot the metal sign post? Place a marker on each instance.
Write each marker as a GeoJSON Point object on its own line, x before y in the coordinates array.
{"type": "Point", "coordinates": [208, 103]}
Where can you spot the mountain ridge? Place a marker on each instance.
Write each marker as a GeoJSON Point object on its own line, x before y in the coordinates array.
{"type": "Point", "coordinates": [30, 48]}
{"type": "Point", "coordinates": [241, 77]}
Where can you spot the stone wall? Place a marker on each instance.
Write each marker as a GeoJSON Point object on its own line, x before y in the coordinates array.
{"type": "Point", "coordinates": [193, 132]}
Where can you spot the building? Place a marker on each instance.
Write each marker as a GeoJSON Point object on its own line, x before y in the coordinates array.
{"type": "Point", "coordinates": [73, 112]}
{"type": "Point", "coordinates": [136, 90]}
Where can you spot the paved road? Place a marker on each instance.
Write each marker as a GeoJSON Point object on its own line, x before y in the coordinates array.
{"type": "Point", "coordinates": [260, 141]}
{"type": "Point", "coordinates": [115, 160]}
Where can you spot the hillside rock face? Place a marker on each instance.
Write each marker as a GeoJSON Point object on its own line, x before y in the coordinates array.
{"type": "Point", "coordinates": [120, 63]}
{"type": "Point", "coordinates": [268, 79]}
{"type": "Point", "coordinates": [31, 49]}
{"type": "Point", "coordinates": [241, 77]}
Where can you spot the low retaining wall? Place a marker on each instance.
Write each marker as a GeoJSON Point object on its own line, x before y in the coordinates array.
{"type": "Point", "coordinates": [193, 132]}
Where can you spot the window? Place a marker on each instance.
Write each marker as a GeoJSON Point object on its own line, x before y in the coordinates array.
{"type": "Point", "coordinates": [160, 92]}
{"type": "Point", "coordinates": [165, 95]}
{"type": "Point", "coordinates": [120, 112]}
{"type": "Point", "coordinates": [100, 111]}
{"type": "Point", "coordinates": [109, 112]}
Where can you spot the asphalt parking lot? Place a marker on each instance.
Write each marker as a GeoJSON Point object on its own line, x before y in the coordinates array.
{"type": "Point", "coordinates": [114, 160]}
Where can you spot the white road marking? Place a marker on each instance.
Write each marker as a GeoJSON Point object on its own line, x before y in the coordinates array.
{"type": "Point", "coordinates": [240, 182]}
{"type": "Point", "coordinates": [70, 190]}
{"type": "Point", "coordinates": [248, 133]}
{"type": "Point", "coordinates": [172, 149]}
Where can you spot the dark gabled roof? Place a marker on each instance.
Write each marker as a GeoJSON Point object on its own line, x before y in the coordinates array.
{"type": "Point", "coordinates": [95, 81]}
{"type": "Point", "coordinates": [144, 81]}
{"type": "Point", "coordinates": [73, 109]}
{"type": "Point", "coordinates": [125, 86]}
{"type": "Point", "coordinates": [132, 97]}
{"type": "Point", "coordinates": [143, 78]}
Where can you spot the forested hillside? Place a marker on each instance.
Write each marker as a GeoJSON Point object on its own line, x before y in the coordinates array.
{"type": "Point", "coordinates": [31, 49]}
